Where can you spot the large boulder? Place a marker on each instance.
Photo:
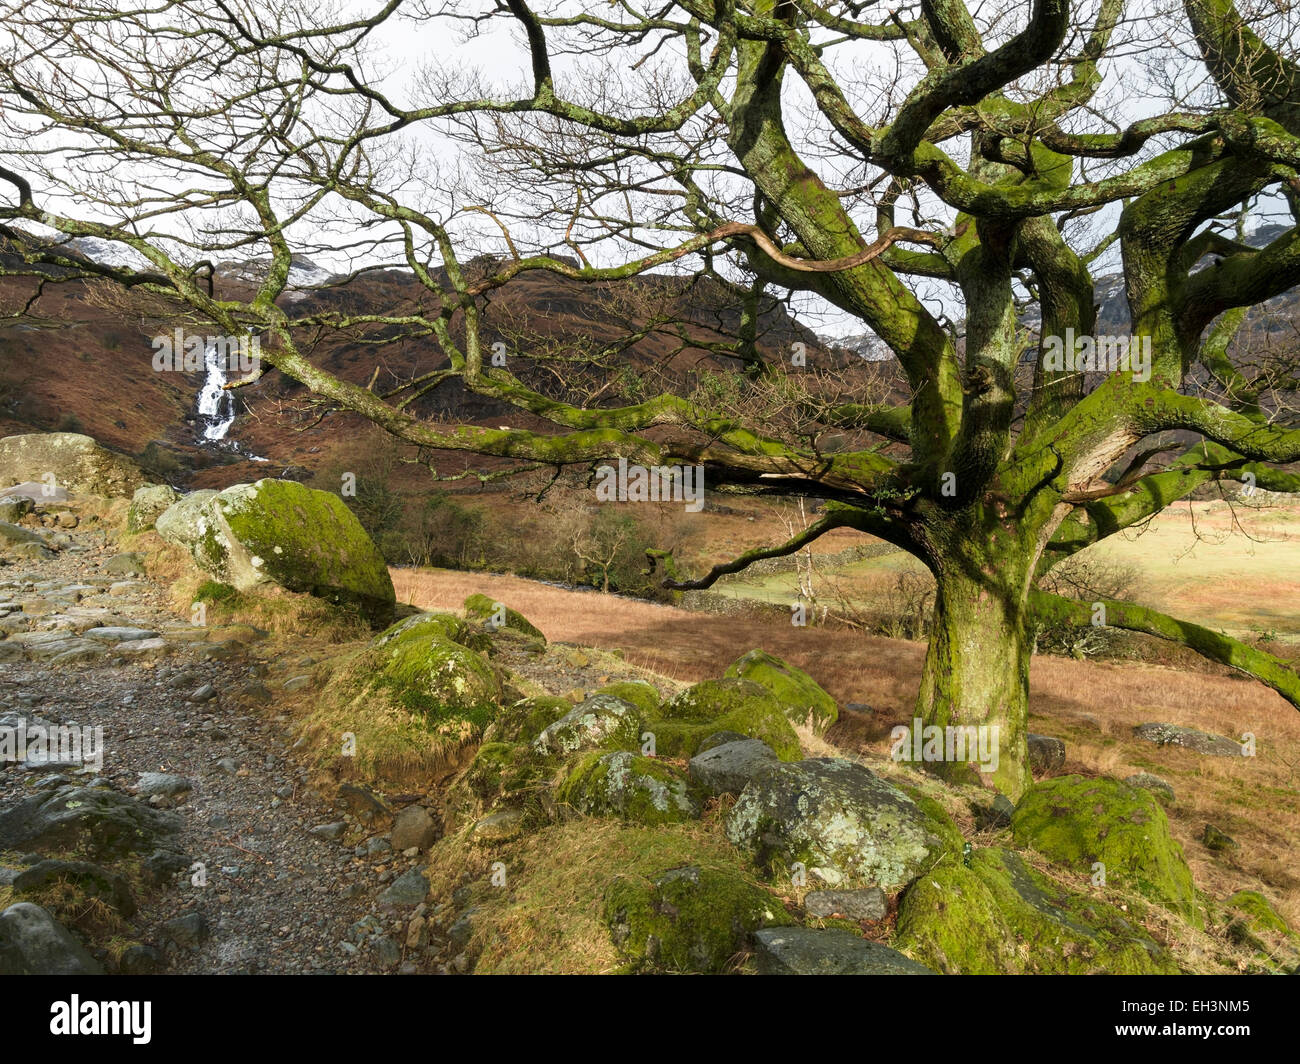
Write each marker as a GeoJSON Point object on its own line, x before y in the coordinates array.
{"type": "Point", "coordinates": [1078, 822]}
{"type": "Point", "coordinates": [92, 820]}
{"type": "Point", "coordinates": [496, 615]}
{"type": "Point", "coordinates": [32, 942]}
{"type": "Point", "coordinates": [599, 722]}
{"type": "Point", "coordinates": [729, 767]}
{"type": "Point", "coordinates": [450, 686]}
{"type": "Point", "coordinates": [842, 823]}
{"type": "Point", "coordinates": [77, 462]}
{"type": "Point", "coordinates": [727, 705]}
{"type": "Point", "coordinates": [639, 789]}
{"type": "Point", "coordinates": [834, 951]}
{"type": "Point", "coordinates": [1188, 739]}
{"type": "Point", "coordinates": [280, 533]}
{"type": "Point", "coordinates": [147, 505]}
{"type": "Point", "coordinates": [799, 694]}
{"type": "Point", "coordinates": [998, 916]}
{"type": "Point", "coordinates": [687, 919]}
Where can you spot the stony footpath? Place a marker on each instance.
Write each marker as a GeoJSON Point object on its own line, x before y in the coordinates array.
{"type": "Point", "coordinates": [192, 728]}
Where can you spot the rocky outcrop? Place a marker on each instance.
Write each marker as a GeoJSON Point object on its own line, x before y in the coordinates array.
{"type": "Point", "coordinates": [280, 533]}
{"type": "Point", "coordinates": [67, 462]}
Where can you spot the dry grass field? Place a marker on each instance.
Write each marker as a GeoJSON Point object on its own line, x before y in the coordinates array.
{"type": "Point", "coordinates": [1093, 706]}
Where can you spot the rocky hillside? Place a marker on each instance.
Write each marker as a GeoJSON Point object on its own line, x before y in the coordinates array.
{"type": "Point", "coordinates": [81, 360]}
{"type": "Point", "coordinates": [269, 775]}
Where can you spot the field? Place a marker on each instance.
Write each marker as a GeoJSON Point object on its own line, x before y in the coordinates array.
{"type": "Point", "coordinates": [1244, 583]}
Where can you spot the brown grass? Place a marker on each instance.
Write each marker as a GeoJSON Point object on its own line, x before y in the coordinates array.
{"type": "Point", "coordinates": [1094, 707]}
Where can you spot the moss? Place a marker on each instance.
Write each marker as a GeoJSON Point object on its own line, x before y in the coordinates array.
{"type": "Point", "coordinates": [937, 818]}
{"type": "Point", "coordinates": [216, 593]}
{"type": "Point", "coordinates": [446, 625]}
{"type": "Point", "coordinates": [799, 694]}
{"type": "Point", "coordinates": [306, 540]}
{"type": "Point", "coordinates": [1260, 915]}
{"type": "Point", "coordinates": [1000, 917]}
{"type": "Point", "coordinates": [411, 706]}
{"type": "Point", "coordinates": [1076, 822]}
{"type": "Point", "coordinates": [483, 608]}
{"type": "Point", "coordinates": [687, 919]}
{"type": "Point", "coordinates": [639, 693]}
{"type": "Point", "coordinates": [524, 720]}
{"type": "Point", "coordinates": [637, 789]}
{"type": "Point", "coordinates": [500, 774]}
{"type": "Point", "coordinates": [600, 722]}
{"type": "Point", "coordinates": [723, 705]}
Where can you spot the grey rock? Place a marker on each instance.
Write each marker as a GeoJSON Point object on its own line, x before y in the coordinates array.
{"type": "Point", "coordinates": [140, 960]}
{"type": "Point", "coordinates": [408, 889]}
{"type": "Point", "coordinates": [147, 504]}
{"type": "Point", "coordinates": [728, 768]}
{"type": "Point", "coordinates": [1046, 754]}
{"type": "Point", "coordinates": [719, 739]}
{"type": "Point", "coordinates": [78, 463]}
{"type": "Point", "coordinates": [806, 951]}
{"type": "Point", "coordinates": [413, 827]}
{"type": "Point", "coordinates": [13, 507]}
{"type": "Point", "coordinates": [188, 931]}
{"type": "Point", "coordinates": [128, 564]}
{"type": "Point", "coordinates": [387, 953]}
{"type": "Point", "coordinates": [99, 821]}
{"type": "Point", "coordinates": [119, 634]}
{"type": "Point", "coordinates": [462, 929]}
{"type": "Point", "coordinates": [32, 942]}
{"type": "Point", "coordinates": [330, 831]}
{"type": "Point", "coordinates": [596, 722]}
{"type": "Point", "coordinates": [1189, 739]}
{"type": "Point", "coordinates": [866, 904]}
{"type": "Point", "coordinates": [91, 880]}
{"type": "Point", "coordinates": [499, 827]}
{"type": "Point", "coordinates": [162, 783]}
{"type": "Point", "coordinates": [845, 822]}
{"type": "Point", "coordinates": [16, 535]}
{"type": "Point", "coordinates": [161, 865]}
{"type": "Point", "coordinates": [1161, 788]}
{"type": "Point", "coordinates": [203, 693]}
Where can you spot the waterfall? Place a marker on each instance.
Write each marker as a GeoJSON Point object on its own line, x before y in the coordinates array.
{"type": "Point", "coordinates": [216, 406]}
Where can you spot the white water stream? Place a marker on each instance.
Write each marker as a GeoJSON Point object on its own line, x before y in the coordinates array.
{"type": "Point", "coordinates": [216, 406]}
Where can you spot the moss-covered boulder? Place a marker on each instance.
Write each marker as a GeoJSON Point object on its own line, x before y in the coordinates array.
{"type": "Point", "coordinates": [446, 625]}
{"type": "Point", "coordinates": [688, 919]}
{"type": "Point", "coordinates": [727, 705]}
{"type": "Point", "coordinates": [525, 719]}
{"type": "Point", "coordinates": [638, 692]}
{"type": "Point", "coordinates": [1258, 914]}
{"type": "Point", "coordinates": [495, 614]}
{"type": "Point", "coordinates": [638, 789]}
{"type": "Point", "coordinates": [1000, 916]}
{"type": "Point", "coordinates": [844, 825]}
{"type": "Point", "coordinates": [601, 722]}
{"type": "Point", "coordinates": [280, 533]}
{"type": "Point", "coordinates": [443, 681]}
{"type": "Point", "coordinates": [800, 695]}
{"type": "Point", "coordinates": [1076, 822]}
{"type": "Point", "coordinates": [501, 777]}
{"type": "Point", "coordinates": [148, 502]}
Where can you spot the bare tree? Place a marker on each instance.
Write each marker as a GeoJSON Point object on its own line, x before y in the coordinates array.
{"type": "Point", "coordinates": [946, 175]}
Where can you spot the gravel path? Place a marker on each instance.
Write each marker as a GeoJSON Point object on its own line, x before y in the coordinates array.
{"type": "Point", "coordinates": [284, 891]}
